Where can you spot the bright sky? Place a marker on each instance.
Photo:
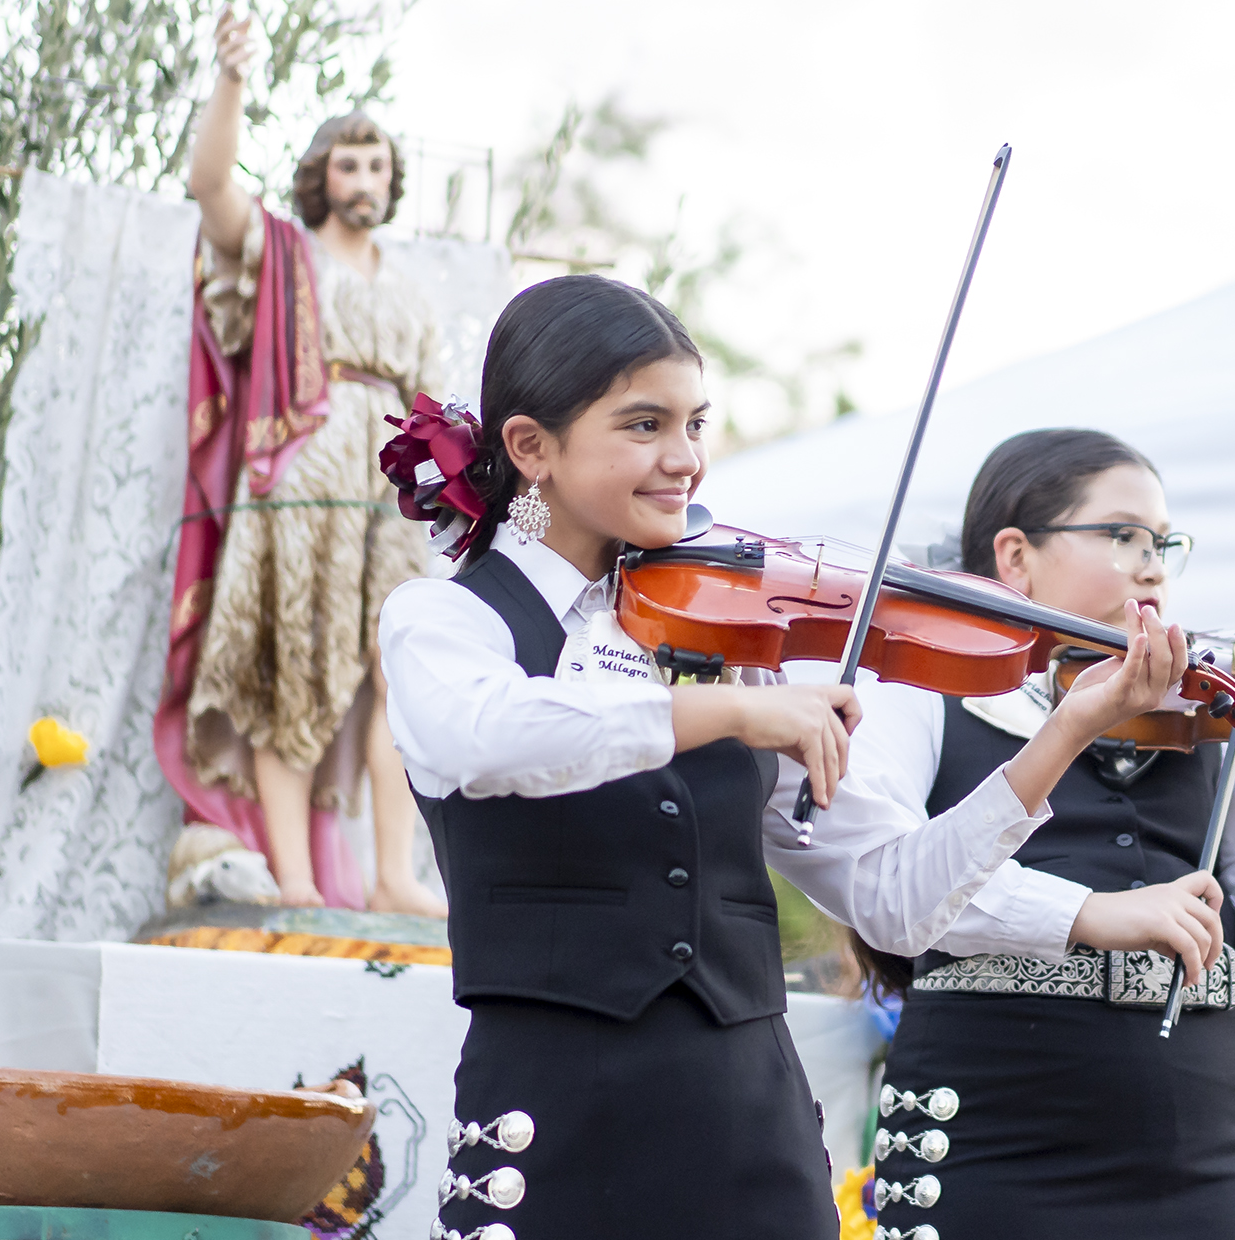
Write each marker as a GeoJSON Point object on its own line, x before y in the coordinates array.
{"type": "Point", "coordinates": [858, 137]}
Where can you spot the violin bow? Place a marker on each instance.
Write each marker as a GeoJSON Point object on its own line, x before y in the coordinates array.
{"type": "Point", "coordinates": [1209, 860]}
{"type": "Point", "coordinates": [805, 809]}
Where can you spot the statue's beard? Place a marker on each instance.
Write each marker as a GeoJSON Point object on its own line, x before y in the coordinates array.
{"type": "Point", "coordinates": [360, 210]}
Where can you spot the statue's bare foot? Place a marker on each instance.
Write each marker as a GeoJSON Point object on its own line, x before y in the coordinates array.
{"type": "Point", "coordinates": [406, 897]}
{"type": "Point", "coordinates": [300, 894]}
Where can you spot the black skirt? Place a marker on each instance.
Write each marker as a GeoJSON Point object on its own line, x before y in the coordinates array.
{"type": "Point", "coordinates": [669, 1126]}
{"type": "Point", "coordinates": [1075, 1119]}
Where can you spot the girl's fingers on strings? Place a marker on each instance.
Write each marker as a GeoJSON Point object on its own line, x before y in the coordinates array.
{"type": "Point", "coordinates": [1179, 652]}
{"type": "Point", "coordinates": [1160, 654]}
{"type": "Point", "coordinates": [1133, 676]}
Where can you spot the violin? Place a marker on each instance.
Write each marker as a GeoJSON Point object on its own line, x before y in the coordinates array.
{"type": "Point", "coordinates": [748, 601]}
{"type": "Point", "coordinates": [1178, 729]}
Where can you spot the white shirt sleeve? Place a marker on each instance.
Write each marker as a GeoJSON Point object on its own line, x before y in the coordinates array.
{"type": "Point", "coordinates": [466, 716]}
{"type": "Point", "coordinates": [905, 881]}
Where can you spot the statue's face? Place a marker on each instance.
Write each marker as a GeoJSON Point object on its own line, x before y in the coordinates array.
{"type": "Point", "coordinates": [358, 184]}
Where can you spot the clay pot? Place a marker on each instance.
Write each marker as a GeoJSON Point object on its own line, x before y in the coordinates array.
{"type": "Point", "coordinates": [128, 1143]}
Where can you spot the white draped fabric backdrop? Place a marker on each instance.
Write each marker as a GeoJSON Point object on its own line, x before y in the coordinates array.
{"type": "Point", "coordinates": [96, 457]}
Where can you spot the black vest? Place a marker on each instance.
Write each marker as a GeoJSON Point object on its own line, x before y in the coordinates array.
{"type": "Point", "coordinates": [604, 899]}
{"type": "Point", "coordinates": [1098, 836]}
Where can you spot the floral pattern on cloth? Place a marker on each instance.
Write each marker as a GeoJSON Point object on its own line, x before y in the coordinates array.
{"type": "Point", "coordinates": [298, 588]}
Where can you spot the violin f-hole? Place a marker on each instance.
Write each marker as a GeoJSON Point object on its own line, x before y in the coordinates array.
{"type": "Point", "coordinates": [846, 601]}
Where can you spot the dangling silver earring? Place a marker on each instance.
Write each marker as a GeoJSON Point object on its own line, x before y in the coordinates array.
{"type": "Point", "coordinates": [529, 515]}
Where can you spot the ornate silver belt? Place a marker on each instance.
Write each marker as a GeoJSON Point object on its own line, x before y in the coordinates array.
{"type": "Point", "coordinates": [1137, 979]}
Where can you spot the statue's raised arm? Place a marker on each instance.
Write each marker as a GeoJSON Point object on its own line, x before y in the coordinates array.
{"type": "Point", "coordinates": [224, 203]}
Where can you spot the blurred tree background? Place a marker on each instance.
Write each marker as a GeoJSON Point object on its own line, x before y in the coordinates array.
{"type": "Point", "coordinates": [569, 214]}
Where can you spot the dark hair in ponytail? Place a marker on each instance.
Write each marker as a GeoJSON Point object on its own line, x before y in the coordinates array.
{"type": "Point", "coordinates": [1028, 481]}
{"type": "Point", "coordinates": [1032, 480]}
{"type": "Point", "coordinates": [557, 348]}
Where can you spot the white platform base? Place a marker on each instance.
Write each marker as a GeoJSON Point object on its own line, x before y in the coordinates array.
{"type": "Point", "coordinates": [259, 1022]}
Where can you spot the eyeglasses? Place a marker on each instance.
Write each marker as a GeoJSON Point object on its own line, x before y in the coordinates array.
{"type": "Point", "coordinates": [1134, 546]}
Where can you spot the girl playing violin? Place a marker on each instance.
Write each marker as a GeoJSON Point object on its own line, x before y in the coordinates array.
{"type": "Point", "coordinates": [1038, 1016]}
{"type": "Point", "coordinates": [627, 1071]}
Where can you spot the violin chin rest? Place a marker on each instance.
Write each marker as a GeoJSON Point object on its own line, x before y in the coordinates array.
{"type": "Point", "coordinates": [698, 522]}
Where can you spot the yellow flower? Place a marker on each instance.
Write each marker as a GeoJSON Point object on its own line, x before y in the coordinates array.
{"type": "Point", "coordinates": [854, 1225]}
{"type": "Point", "coordinates": [56, 745]}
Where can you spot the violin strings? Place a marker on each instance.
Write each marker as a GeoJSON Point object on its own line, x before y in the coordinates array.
{"type": "Point", "coordinates": [824, 541]}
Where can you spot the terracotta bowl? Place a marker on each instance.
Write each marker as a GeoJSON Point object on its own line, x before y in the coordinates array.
{"type": "Point", "coordinates": [127, 1143]}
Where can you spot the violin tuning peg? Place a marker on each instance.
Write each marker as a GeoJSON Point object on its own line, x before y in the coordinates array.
{"type": "Point", "coordinates": [1207, 656]}
{"type": "Point", "coordinates": [1220, 707]}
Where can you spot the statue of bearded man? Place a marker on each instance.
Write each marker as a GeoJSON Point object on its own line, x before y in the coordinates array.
{"type": "Point", "coordinates": [304, 341]}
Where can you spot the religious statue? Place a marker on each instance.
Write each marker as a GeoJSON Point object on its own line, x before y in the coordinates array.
{"type": "Point", "coordinates": [303, 341]}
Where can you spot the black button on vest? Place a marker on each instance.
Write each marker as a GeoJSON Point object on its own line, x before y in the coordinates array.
{"type": "Point", "coordinates": [586, 899]}
{"type": "Point", "coordinates": [1166, 811]}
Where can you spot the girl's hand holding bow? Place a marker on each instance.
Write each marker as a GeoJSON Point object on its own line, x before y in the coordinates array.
{"type": "Point", "coordinates": [809, 723]}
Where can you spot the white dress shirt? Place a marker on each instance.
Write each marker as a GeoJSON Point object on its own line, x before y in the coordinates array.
{"type": "Point", "coordinates": [466, 716]}
{"type": "Point", "coordinates": [895, 753]}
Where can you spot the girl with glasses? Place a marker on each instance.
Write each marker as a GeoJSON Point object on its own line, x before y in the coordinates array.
{"type": "Point", "coordinates": [1037, 1014]}
{"type": "Point", "coordinates": [603, 836]}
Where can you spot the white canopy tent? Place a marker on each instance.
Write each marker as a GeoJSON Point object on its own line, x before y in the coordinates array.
{"type": "Point", "coordinates": [1166, 385]}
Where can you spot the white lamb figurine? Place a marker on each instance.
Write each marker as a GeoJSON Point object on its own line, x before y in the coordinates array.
{"type": "Point", "coordinates": [210, 864]}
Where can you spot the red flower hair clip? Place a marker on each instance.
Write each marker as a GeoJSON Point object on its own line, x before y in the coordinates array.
{"type": "Point", "coordinates": [428, 462]}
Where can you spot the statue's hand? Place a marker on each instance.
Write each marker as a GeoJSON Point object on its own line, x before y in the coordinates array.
{"type": "Point", "coordinates": [234, 49]}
